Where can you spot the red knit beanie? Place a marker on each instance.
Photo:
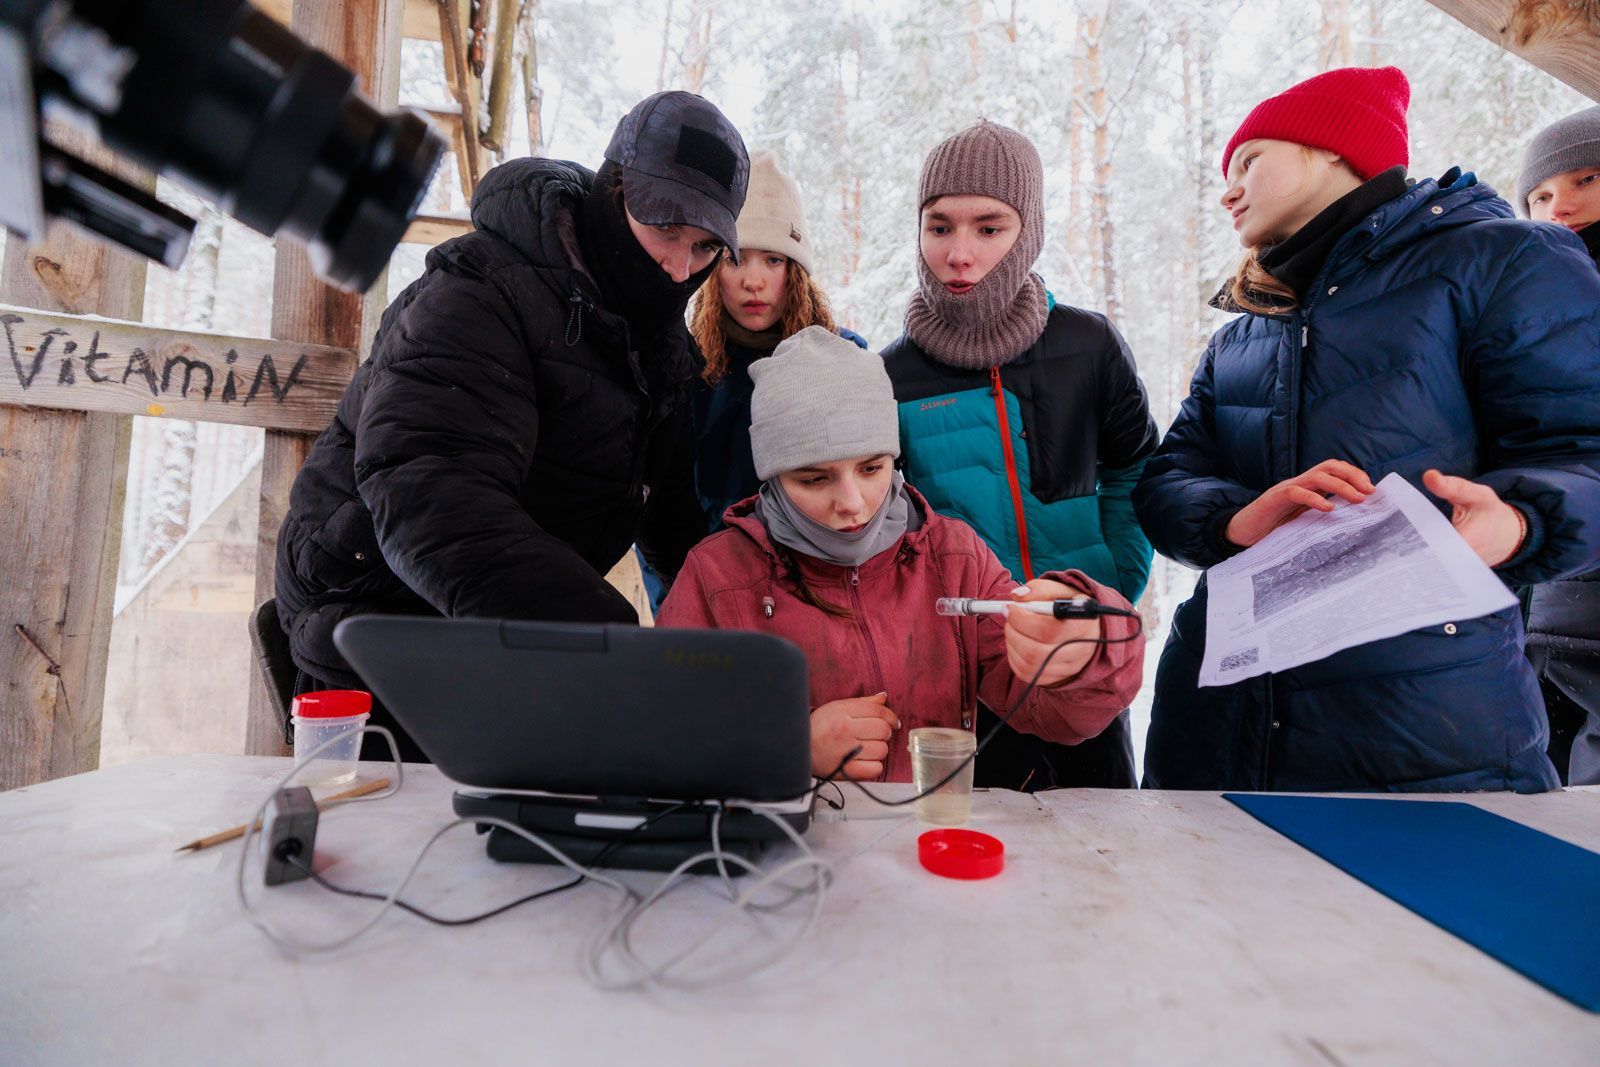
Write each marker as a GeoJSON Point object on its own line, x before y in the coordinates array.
{"type": "Point", "coordinates": [1358, 112]}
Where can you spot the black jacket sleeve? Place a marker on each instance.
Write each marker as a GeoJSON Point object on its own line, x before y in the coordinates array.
{"type": "Point", "coordinates": [673, 520]}
{"type": "Point", "coordinates": [443, 446]}
{"type": "Point", "coordinates": [1127, 432]}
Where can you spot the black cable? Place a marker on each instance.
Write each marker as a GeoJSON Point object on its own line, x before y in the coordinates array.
{"type": "Point", "coordinates": [829, 779]}
{"type": "Point", "coordinates": [815, 790]}
{"type": "Point", "coordinates": [596, 864]}
{"type": "Point", "coordinates": [1016, 705]}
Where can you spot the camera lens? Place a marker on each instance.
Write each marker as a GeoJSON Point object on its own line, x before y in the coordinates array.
{"type": "Point", "coordinates": [231, 103]}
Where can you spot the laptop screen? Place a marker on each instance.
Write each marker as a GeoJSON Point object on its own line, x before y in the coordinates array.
{"type": "Point", "coordinates": [593, 710]}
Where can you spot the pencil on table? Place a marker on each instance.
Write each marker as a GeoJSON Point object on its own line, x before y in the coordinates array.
{"type": "Point", "coordinates": [238, 831]}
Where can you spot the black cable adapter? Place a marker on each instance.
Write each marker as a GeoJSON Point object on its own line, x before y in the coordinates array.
{"type": "Point", "coordinates": [289, 828]}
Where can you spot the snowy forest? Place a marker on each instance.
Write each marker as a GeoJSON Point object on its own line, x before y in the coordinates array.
{"type": "Point", "coordinates": [1129, 104]}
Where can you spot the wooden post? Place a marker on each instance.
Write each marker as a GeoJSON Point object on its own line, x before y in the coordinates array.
{"type": "Point", "coordinates": [365, 36]}
{"type": "Point", "coordinates": [454, 32]}
{"type": "Point", "coordinates": [502, 74]}
{"type": "Point", "coordinates": [63, 477]}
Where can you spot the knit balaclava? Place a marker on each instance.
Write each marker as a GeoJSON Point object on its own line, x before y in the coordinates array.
{"type": "Point", "coordinates": [1004, 314]}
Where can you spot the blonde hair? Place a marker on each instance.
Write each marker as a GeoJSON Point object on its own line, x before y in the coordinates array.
{"type": "Point", "coordinates": [1251, 280]}
{"type": "Point", "coordinates": [804, 305]}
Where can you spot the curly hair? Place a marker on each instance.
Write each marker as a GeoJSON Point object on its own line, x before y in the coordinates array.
{"type": "Point", "coordinates": [805, 306]}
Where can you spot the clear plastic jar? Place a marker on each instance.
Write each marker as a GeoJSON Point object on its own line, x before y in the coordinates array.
{"type": "Point", "coordinates": [936, 752]}
{"type": "Point", "coordinates": [320, 716]}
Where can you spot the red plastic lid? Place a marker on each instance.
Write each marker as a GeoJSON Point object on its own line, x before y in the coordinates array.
{"type": "Point", "coordinates": [332, 704]}
{"type": "Point", "coordinates": [957, 853]}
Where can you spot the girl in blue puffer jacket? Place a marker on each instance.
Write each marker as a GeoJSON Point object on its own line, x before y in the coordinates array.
{"type": "Point", "coordinates": [1388, 326]}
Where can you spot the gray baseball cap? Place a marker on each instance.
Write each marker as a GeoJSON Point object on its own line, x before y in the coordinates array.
{"type": "Point", "coordinates": [683, 164]}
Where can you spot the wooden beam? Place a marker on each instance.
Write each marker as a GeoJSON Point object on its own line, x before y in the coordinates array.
{"type": "Point", "coordinates": [420, 22]}
{"type": "Point", "coordinates": [71, 363]}
{"type": "Point", "coordinates": [63, 479]}
{"type": "Point", "coordinates": [1560, 37]}
{"type": "Point", "coordinates": [502, 74]}
{"type": "Point", "coordinates": [445, 116]}
{"type": "Point", "coordinates": [433, 229]}
{"type": "Point", "coordinates": [455, 32]}
{"type": "Point", "coordinates": [364, 35]}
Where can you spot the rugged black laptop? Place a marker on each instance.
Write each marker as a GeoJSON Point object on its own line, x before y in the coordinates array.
{"type": "Point", "coordinates": [588, 733]}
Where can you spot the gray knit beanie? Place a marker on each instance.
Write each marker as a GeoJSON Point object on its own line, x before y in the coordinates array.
{"type": "Point", "coordinates": [1570, 144]}
{"type": "Point", "coordinates": [1004, 314]}
{"type": "Point", "coordinates": [819, 398]}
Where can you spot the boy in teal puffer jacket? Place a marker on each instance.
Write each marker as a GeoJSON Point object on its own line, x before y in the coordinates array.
{"type": "Point", "coordinates": [1023, 417]}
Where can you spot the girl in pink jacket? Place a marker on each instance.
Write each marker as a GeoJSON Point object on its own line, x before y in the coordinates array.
{"type": "Point", "coordinates": [837, 554]}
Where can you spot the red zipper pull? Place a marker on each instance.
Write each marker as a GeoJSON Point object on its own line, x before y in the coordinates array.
{"type": "Point", "coordinates": [994, 381]}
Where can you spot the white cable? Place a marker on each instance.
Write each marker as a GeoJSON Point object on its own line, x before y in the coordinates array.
{"type": "Point", "coordinates": [639, 973]}
{"type": "Point", "coordinates": [616, 938]}
{"type": "Point", "coordinates": [297, 945]}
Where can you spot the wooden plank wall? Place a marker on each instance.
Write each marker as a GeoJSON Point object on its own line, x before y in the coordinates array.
{"type": "Point", "coordinates": [365, 36]}
{"type": "Point", "coordinates": [63, 479]}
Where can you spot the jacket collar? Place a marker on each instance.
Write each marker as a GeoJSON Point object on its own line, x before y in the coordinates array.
{"type": "Point", "coordinates": [531, 204]}
{"type": "Point", "coordinates": [1431, 205]}
{"type": "Point", "coordinates": [741, 519]}
{"type": "Point", "coordinates": [1454, 199]}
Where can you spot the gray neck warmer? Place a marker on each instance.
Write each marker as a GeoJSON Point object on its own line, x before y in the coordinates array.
{"type": "Point", "coordinates": [789, 526]}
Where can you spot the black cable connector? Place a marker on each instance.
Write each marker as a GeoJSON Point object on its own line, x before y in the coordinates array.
{"type": "Point", "coordinates": [288, 831]}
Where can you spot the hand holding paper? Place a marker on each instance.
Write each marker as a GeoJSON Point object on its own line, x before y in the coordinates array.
{"type": "Point", "coordinates": [1294, 496]}
{"type": "Point", "coordinates": [1329, 580]}
{"type": "Point", "coordinates": [1493, 528]}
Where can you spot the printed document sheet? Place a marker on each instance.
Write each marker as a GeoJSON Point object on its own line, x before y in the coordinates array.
{"type": "Point", "coordinates": [1330, 580]}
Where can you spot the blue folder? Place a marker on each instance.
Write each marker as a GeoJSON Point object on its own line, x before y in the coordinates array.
{"type": "Point", "coordinates": [1530, 900]}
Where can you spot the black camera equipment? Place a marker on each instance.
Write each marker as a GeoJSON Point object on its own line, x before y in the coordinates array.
{"type": "Point", "coordinates": [218, 96]}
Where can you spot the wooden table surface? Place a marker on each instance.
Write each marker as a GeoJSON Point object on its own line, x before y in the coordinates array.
{"type": "Point", "coordinates": [1128, 927]}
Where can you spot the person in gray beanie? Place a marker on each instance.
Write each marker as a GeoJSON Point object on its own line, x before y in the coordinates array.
{"type": "Point", "coordinates": [1560, 183]}
{"type": "Point", "coordinates": [1022, 415]}
{"type": "Point", "coordinates": [839, 555]}
{"type": "Point", "coordinates": [1560, 179]}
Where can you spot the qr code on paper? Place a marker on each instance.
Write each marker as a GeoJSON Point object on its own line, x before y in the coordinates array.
{"type": "Point", "coordinates": [1234, 662]}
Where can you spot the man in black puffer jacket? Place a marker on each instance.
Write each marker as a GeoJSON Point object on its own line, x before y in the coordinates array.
{"type": "Point", "coordinates": [524, 417]}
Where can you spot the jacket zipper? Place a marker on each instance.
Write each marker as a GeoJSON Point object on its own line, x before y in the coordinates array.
{"type": "Point", "coordinates": [872, 649]}
{"type": "Point", "coordinates": [866, 635]}
{"type": "Point", "coordinates": [1011, 472]}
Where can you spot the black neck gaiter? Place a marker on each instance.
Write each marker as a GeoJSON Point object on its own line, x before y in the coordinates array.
{"type": "Point", "coordinates": [631, 284]}
{"type": "Point", "coordinates": [1591, 240]}
{"type": "Point", "coordinates": [763, 342]}
{"type": "Point", "coordinates": [1297, 260]}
